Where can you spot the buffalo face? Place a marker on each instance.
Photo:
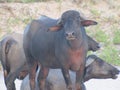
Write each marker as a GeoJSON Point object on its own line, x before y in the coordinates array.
{"type": "Point", "coordinates": [100, 69]}
{"type": "Point", "coordinates": [72, 24]}
{"type": "Point", "coordinates": [92, 44]}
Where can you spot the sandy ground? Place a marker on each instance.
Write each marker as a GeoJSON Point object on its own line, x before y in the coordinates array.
{"type": "Point", "coordinates": [93, 84]}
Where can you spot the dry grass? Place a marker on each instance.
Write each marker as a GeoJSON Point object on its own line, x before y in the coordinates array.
{"type": "Point", "coordinates": [15, 16]}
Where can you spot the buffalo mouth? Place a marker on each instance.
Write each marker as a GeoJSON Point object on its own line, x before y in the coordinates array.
{"type": "Point", "coordinates": [115, 75]}
{"type": "Point", "coordinates": [70, 37]}
{"type": "Point", "coordinates": [97, 48]}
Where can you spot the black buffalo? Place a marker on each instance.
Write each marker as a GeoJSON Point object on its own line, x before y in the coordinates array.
{"type": "Point", "coordinates": [98, 68]}
{"type": "Point", "coordinates": [92, 44]}
{"type": "Point", "coordinates": [95, 68]}
{"type": "Point", "coordinates": [13, 59]}
{"type": "Point", "coordinates": [60, 43]}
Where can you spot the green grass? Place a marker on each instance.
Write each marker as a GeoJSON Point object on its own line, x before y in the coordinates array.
{"type": "Point", "coordinates": [13, 21]}
{"type": "Point", "coordinates": [28, 1]}
{"type": "Point", "coordinates": [101, 36]}
{"type": "Point", "coordinates": [26, 20]}
{"type": "Point", "coordinates": [116, 38]}
{"type": "Point", "coordinates": [111, 55]}
{"type": "Point", "coordinates": [98, 34]}
{"type": "Point", "coordinates": [25, 1]}
{"type": "Point", "coordinates": [108, 52]}
{"type": "Point", "coordinates": [95, 12]}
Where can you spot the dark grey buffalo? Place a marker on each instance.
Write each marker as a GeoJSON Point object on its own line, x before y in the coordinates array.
{"type": "Point", "coordinates": [9, 62]}
{"type": "Point", "coordinates": [13, 59]}
{"type": "Point", "coordinates": [59, 43]}
{"type": "Point", "coordinates": [95, 68]}
{"type": "Point", "coordinates": [92, 44]}
{"type": "Point", "coordinates": [98, 68]}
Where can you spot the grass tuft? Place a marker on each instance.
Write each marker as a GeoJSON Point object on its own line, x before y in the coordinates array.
{"type": "Point", "coordinates": [116, 38]}
{"type": "Point", "coordinates": [111, 55]}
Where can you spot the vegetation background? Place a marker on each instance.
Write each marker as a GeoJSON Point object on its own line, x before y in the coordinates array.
{"type": "Point", "coordinates": [16, 14]}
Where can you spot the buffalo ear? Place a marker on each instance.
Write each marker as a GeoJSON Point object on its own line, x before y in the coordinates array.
{"type": "Point", "coordinates": [88, 22]}
{"type": "Point", "coordinates": [55, 28]}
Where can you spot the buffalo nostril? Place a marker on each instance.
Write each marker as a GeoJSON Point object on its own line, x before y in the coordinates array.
{"type": "Point", "coordinates": [98, 46]}
{"type": "Point", "coordinates": [66, 34]}
{"type": "Point", "coordinates": [73, 33]}
{"type": "Point", "coordinates": [70, 34]}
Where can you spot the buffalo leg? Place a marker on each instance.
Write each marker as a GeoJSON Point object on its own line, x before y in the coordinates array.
{"type": "Point", "coordinates": [32, 74]}
{"type": "Point", "coordinates": [43, 73]}
{"type": "Point", "coordinates": [66, 76]}
{"type": "Point", "coordinates": [32, 64]}
{"type": "Point", "coordinates": [79, 79]}
{"type": "Point", "coordinates": [10, 81]}
{"type": "Point", "coordinates": [5, 75]}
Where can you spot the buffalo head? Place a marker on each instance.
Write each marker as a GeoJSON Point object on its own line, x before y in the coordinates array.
{"type": "Point", "coordinates": [72, 24]}
{"type": "Point", "coordinates": [98, 68]}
